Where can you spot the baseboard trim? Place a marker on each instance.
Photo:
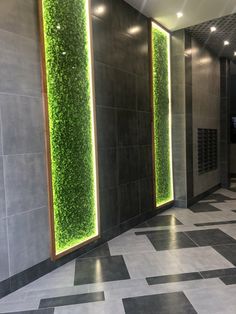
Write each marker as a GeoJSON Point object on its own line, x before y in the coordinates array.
{"type": "Point", "coordinates": [31, 274]}
{"type": "Point", "coordinates": [199, 197]}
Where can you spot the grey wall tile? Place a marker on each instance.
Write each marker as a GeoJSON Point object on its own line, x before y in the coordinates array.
{"type": "Point", "coordinates": [19, 75]}
{"type": "Point", "coordinates": [109, 209]}
{"type": "Point", "coordinates": [128, 164]}
{"type": "Point", "coordinates": [2, 191]}
{"type": "Point", "coordinates": [107, 167]}
{"type": "Point", "coordinates": [146, 194]}
{"type": "Point", "coordinates": [22, 46]}
{"type": "Point", "coordinates": [24, 12]}
{"type": "Point", "coordinates": [106, 127]}
{"type": "Point", "coordinates": [28, 239]}
{"type": "Point", "coordinates": [129, 201]}
{"type": "Point", "coordinates": [22, 124]}
{"type": "Point", "coordinates": [25, 182]}
{"type": "Point", "coordinates": [127, 127]}
{"type": "Point", "coordinates": [4, 263]}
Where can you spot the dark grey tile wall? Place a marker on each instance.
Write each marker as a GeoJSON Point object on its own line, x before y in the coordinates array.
{"type": "Point", "coordinates": [123, 111]}
{"type": "Point", "coordinates": [206, 108]}
{"type": "Point", "coordinates": [195, 104]}
{"type": "Point", "coordinates": [24, 236]}
{"type": "Point", "coordinates": [225, 122]}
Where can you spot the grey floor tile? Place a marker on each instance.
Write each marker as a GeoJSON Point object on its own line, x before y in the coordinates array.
{"type": "Point", "coordinates": [161, 221]}
{"type": "Point", "coordinates": [169, 303]}
{"type": "Point", "coordinates": [227, 251]}
{"type": "Point", "coordinates": [203, 207]}
{"type": "Point", "coordinates": [173, 278]}
{"type": "Point", "coordinates": [93, 270]}
{"type": "Point", "coordinates": [72, 299]}
{"type": "Point", "coordinates": [210, 237]}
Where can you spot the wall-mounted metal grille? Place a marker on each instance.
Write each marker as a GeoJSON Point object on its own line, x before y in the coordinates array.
{"type": "Point", "coordinates": [207, 150]}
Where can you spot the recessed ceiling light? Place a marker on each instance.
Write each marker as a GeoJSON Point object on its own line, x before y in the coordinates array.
{"type": "Point", "coordinates": [235, 53]}
{"type": "Point", "coordinates": [100, 10]}
{"type": "Point", "coordinates": [179, 15]}
{"type": "Point", "coordinates": [226, 43]}
{"type": "Point", "coordinates": [134, 30]}
{"type": "Point", "coordinates": [213, 29]}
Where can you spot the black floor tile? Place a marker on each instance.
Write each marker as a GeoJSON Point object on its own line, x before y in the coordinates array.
{"type": "Point", "coordinates": [218, 273]}
{"type": "Point", "coordinates": [168, 303]}
{"type": "Point", "coordinates": [203, 207]}
{"type": "Point", "coordinates": [216, 223]}
{"type": "Point", "coordinates": [40, 311]}
{"type": "Point", "coordinates": [92, 270]}
{"type": "Point", "coordinates": [217, 197]}
{"type": "Point", "coordinates": [210, 237]}
{"type": "Point", "coordinates": [170, 241]}
{"type": "Point", "coordinates": [173, 278]}
{"type": "Point", "coordinates": [229, 280]}
{"type": "Point", "coordinates": [72, 299]}
{"type": "Point", "coordinates": [160, 221]}
{"type": "Point", "coordinates": [101, 251]}
{"type": "Point", "coordinates": [228, 251]}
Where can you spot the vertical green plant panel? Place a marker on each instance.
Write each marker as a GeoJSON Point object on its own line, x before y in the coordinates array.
{"type": "Point", "coordinates": [71, 123]}
{"type": "Point", "coordinates": [162, 115]}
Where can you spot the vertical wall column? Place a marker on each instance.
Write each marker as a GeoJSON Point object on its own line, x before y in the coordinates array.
{"type": "Point", "coordinates": [182, 117]}
{"type": "Point", "coordinates": [225, 122]}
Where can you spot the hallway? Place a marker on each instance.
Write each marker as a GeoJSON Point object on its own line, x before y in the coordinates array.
{"type": "Point", "coordinates": [185, 257]}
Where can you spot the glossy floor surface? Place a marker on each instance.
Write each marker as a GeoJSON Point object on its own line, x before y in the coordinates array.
{"type": "Point", "coordinates": [183, 261]}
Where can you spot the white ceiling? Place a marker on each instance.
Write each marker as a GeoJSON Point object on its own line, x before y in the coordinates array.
{"type": "Point", "coordinates": [195, 11]}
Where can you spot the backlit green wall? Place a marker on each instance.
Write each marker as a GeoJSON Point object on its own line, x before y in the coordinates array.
{"type": "Point", "coordinates": [70, 109]}
{"type": "Point", "coordinates": [162, 115]}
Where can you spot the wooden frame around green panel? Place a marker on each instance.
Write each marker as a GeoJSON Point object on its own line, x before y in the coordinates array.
{"type": "Point", "coordinates": [160, 78]}
{"type": "Point", "coordinates": [70, 124]}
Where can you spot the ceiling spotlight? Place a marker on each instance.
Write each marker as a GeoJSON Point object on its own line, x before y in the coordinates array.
{"type": "Point", "coordinates": [226, 43]}
{"type": "Point", "coordinates": [235, 53]}
{"type": "Point", "coordinates": [100, 10]}
{"type": "Point", "coordinates": [134, 30]}
{"type": "Point", "coordinates": [179, 15]}
{"type": "Point", "coordinates": [213, 29]}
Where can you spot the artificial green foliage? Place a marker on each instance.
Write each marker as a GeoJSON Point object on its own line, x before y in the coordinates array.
{"type": "Point", "coordinates": [163, 168]}
{"type": "Point", "coordinates": [70, 121]}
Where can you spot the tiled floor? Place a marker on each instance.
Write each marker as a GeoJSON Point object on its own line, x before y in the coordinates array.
{"type": "Point", "coordinates": [183, 261]}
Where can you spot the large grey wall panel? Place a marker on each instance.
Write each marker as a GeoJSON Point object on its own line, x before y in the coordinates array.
{"type": "Point", "coordinates": [28, 239]}
{"type": "Point", "coordinates": [2, 191]}
{"type": "Point", "coordinates": [25, 183]}
{"type": "Point", "coordinates": [22, 130]}
{"type": "Point", "coordinates": [17, 15]}
{"type": "Point", "coordinates": [4, 262]}
{"type": "Point", "coordinates": [24, 232]}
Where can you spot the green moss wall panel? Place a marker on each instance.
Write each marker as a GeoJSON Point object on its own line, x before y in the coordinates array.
{"type": "Point", "coordinates": [162, 115]}
{"type": "Point", "coordinates": [71, 128]}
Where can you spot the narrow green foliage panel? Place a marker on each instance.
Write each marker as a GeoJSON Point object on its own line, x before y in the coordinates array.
{"type": "Point", "coordinates": [70, 121]}
{"type": "Point", "coordinates": [161, 111]}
